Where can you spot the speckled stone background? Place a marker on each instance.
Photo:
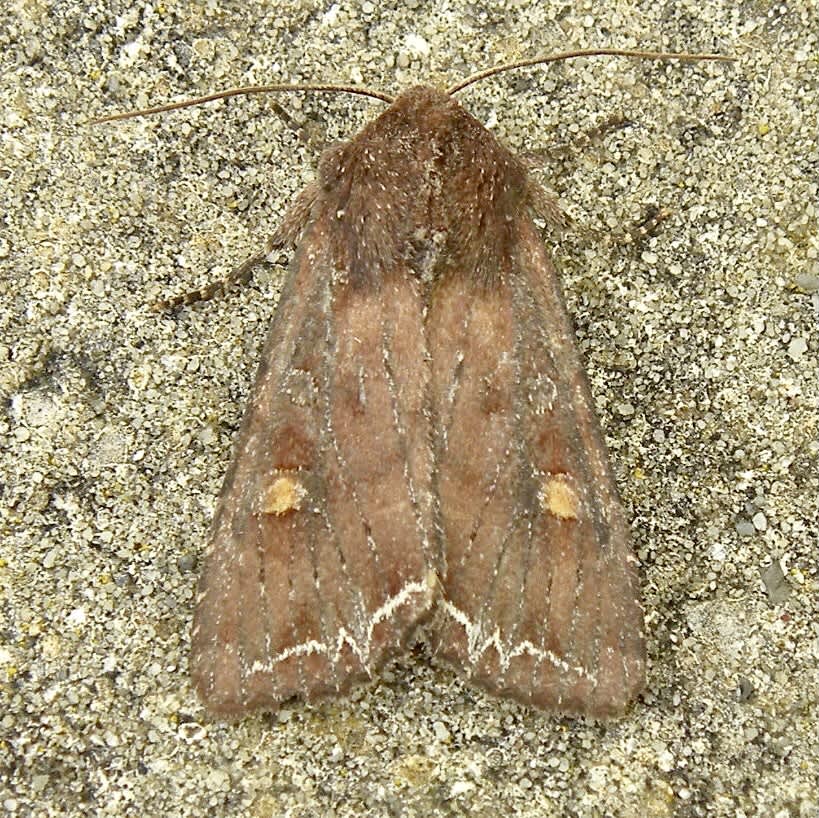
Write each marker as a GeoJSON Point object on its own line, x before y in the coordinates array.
{"type": "Point", "coordinates": [116, 426]}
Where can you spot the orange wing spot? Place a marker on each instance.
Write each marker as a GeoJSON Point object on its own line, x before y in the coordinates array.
{"type": "Point", "coordinates": [559, 498]}
{"type": "Point", "coordinates": [282, 495]}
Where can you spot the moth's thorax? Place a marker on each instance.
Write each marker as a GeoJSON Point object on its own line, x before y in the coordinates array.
{"type": "Point", "coordinates": [424, 180]}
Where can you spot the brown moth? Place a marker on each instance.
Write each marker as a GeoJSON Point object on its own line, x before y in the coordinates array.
{"type": "Point", "coordinates": [420, 445]}
{"type": "Point", "coordinates": [420, 440]}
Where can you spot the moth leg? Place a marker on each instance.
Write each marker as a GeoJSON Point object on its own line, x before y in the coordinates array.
{"type": "Point", "coordinates": [546, 204]}
{"type": "Point", "coordinates": [286, 235]}
{"type": "Point", "coordinates": [647, 226]}
{"type": "Point", "coordinates": [597, 133]}
{"type": "Point", "coordinates": [237, 276]}
{"type": "Point", "coordinates": [565, 149]}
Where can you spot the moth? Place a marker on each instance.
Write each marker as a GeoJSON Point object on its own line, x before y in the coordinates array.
{"type": "Point", "coordinates": [420, 445]}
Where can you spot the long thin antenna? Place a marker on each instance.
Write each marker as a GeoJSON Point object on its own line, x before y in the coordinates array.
{"type": "Point", "coordinates": [248, 89]}
{"type": "Point", "coordinates": [369, 92]}
{"type": "Point", "coordinates": [594, 52]}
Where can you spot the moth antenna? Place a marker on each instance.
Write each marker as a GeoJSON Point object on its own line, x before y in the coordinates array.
{"type": "Point", "coordinates": [592, 52]}
{"type": "Point", "coordinates": [245, 90]}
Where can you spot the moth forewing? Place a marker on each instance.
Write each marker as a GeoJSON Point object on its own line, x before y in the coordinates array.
{"type": "Point", "coordinates": [535, 539]}
{"type": "Point", "coordinates": [318, 567]}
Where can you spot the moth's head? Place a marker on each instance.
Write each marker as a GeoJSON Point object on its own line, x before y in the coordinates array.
{"type": "Point", "coordinates": [422, 111]}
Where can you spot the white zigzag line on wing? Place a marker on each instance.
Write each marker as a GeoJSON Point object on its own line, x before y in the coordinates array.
{"type": "Point", "coordinates": [477, 648]}
{"type": "Point", "coordinates": [359, 648]}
